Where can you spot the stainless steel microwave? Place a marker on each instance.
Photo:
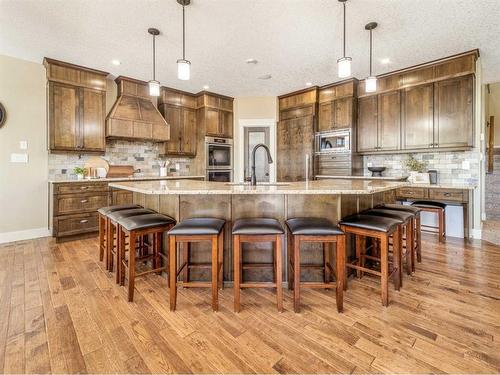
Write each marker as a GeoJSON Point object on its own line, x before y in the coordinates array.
{"type": "Point", "coordinates": [335, 141]}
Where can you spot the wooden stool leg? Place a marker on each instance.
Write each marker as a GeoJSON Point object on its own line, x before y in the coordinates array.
{"type": "Point", "coordinates": [396, 257]}
{"type": "Point", "coordinates": [167, 261]}
{"type": "Point", "coordinates": [158, 251]}
{"type": "Point", "coordinates": [237, 270]}
{"type": "Point", "coordinates": [120, 251]}
{"type": "Point", "coordinates": [444, 224]}
{"type": "Point", "coordinates": [220, 251]}
{"type": "Point", "coordinates": [186, 250]}
{"type": "Point", "coordinates": [173, 272]}
{"type": "Point", "coordinates": [418, 233]}
{"type": "Point", "coordinates": [273, 252]}
{"type": "Point", "coordinates": [340, 263]}
{"type": "Point", "coordinates": [288, 260]}
{"type": "Point", "coordinates": [109, 246]}
{"type": "Point", "coordinates": [440, 225]}
{"type": "Point", "coordinates": [131, 266]}
{"type": "Point", "coordinates": [279, 271]}
{"type": "Point", "coordinates": [215, 276]}
{"type": "Point", "coordinates": [410, 256]}
{"type": "Point", "coordinates": [292, 263]}
{"type": "Point", "coordinates": [384, 269]}
{"type": "Point", "coordinates": [362, 244]}
{"type": "Point", "coordinates": [326, 262]}
{"type": "Point", "coordinates": [357, 240]}
{"type": "Point", "coordinates": [102, 233]}
{"type": "Point", "coordinates": [296, 276]}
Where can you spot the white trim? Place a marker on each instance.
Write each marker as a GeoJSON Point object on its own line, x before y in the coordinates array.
{"type": "Point", "coordinates": [240, 164]}
{"type": "Point", "coordinates": [476, 233]}
{"type": "Point", "coordinates": [22, 235]}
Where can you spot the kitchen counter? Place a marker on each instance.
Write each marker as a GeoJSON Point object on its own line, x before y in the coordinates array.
{"type": "Point", "coordinates": [184, 187]}
{"type": "Point", "coordinates": [110, 179]}
{"type": "Point", "coordinates": [383, 178]}
{"type": "Point", "coordinates": [445, 186]}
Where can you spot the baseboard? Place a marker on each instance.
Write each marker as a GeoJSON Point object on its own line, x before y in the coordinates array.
{"type": "Point", "coordinates": [24, 235]}
{"type": "Point", "coordinates": [476, 233]}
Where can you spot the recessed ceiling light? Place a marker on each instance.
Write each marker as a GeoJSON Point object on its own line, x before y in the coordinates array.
{"type": "Point", "coordinates": [116, 62]}
{"type": "Point", "coordinates": [308, 83]}
{"type": "Point", "coordinates": [252, 61]}
{"type": "Point", "coordinates": [265, 76]}
{"type": "Point", "coordinates": [385, 61]}
{"type": "Point", "coordinates": [206, 87]}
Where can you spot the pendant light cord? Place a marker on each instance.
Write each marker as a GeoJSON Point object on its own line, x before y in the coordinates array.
{"type": "Point", "coordinates": [344, 28]}
{"type": "Point", "coordinates": [154, 57]}
{"type": "Point", "coordinates": [183, 32]}
{"type": "Point", "coordinates": [371, 48]}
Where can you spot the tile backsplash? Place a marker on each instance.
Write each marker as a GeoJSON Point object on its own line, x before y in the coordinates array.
{"type": "Point", "coordinates": [448, 164]}
{"type": "Point", "coordinates": [142, 155]}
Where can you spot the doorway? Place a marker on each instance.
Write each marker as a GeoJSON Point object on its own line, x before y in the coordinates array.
{"type": "Point", "coordinates": [252, 137]}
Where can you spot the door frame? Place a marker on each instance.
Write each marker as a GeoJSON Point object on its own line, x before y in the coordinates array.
{"type": "Point", "coordinates": [239, 165]}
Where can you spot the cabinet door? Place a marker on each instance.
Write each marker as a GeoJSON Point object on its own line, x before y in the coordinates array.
{"type": "Point", "coordinates": [226, 124]}
{"type": "Point", "coordinates": [212, 121]}
{"type": "Point", "coordinates": [303, 145]}
{"type": "Point", "coordinates": [283, 142]}
{"type": "Point", "coordinates": [92, 108]}
{"type": "Point", "coordinates": [172, 115]}
{"type": "Point", "coordinates": [453, 121]}
{"type": "Point", "coordinates": [326, 116]}
{"type": "Point", "coordinates": [188, 145]}
{"type": "Point", "coordinates": [367, 124]}
{"type": "Point", "coordinates": [64, 117]}
{"type": "Point", "coordinates": [389, 121]}
{"type": "Point", "coordinates": [418, 117]}
{"type": "Point", "coordinates": [343, 113]}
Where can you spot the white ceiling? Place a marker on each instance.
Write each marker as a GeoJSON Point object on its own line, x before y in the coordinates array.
{"type": "Point", "coordinates": [296, 41]}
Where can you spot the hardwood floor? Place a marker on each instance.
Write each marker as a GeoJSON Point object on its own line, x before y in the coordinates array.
{"type": "Point", "coordinates": [62, 312]}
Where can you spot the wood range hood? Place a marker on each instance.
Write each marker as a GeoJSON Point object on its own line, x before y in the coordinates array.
{"type": "Point", "coordinates": [134, 116]}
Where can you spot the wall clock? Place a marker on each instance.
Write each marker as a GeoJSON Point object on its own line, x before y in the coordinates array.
{"type": "Point", "coordinates": [3, 115]}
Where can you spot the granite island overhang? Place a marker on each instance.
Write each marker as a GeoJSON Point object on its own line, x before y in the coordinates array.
{"type": "Point", "coordinates": [331, 199]}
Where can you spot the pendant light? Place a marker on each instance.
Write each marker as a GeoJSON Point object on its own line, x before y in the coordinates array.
{"type": "Point", "coordinates": [183, 65]}
{"type": "Point", "coordinates": [344, 63]}
{"type": "Point", "coordinates": [371, 81]}
{"type": "Point", "coordinates": [154, 85]}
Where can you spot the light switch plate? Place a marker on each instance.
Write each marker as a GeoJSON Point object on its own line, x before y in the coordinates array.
{"type": "Point", "coordinates": [23, 145]}
{"type": "Point", "coordinates": [465, 165]}
{"type": "Point", "coordinates": [19, 158]}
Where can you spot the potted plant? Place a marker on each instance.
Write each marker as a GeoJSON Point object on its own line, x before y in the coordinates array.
{"type": "Point", "coordinates": [80, 172]}
{"type": "Point", "coordinates": [416, 169]}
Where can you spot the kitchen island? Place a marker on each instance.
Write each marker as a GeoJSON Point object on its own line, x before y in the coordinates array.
{"type": "Point", "coordinates": [331, 199]}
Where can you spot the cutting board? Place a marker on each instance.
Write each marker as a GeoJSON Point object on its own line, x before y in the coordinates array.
{"type": "Point", "coordinates": [120, 171]}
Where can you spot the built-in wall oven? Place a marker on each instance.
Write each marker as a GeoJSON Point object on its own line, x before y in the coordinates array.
{"type": "Point", "coordinates": [335, 141]}
{"type": "Point", "coordinates": [219, 159]}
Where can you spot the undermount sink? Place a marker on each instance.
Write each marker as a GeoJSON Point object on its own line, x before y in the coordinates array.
{"type": "Point", "coordinates": [258, 184]}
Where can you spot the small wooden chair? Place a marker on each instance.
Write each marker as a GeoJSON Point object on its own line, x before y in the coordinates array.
{"type": "Point", "coordinates": [439, 209]}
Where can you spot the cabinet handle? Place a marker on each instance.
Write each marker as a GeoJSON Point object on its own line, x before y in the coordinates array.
{"type": "Point", "coordinates": [84, 187]}
{"type": "Point", "coordinates": [84, 221]}
{"type": "Point", "coordinates": [447, 194]}
{"type": "Point", "coordinates": [84, 201]}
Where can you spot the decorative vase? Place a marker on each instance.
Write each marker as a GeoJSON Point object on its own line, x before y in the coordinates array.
{"type": "Point", "coordinates": [79, 176]}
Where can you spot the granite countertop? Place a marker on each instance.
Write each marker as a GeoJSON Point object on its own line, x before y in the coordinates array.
{"type": "Point", "coordinates": [111, 179]}
{"type": "Point", "coordinates": [383, 178]}
{"type": "Point", "coordinates": [209, 187]}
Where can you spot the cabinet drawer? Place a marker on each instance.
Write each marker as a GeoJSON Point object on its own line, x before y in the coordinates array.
{"type": "Point", "coordinates": [76, 224]}
{"type": "Point", "coordinates": [447, 194]}
{"type": "Point", "coordinates": [75, 187]}
{"type": "Point", "coordinates": [407, 192]}
{"type": "Point", "coordinates": [77, 203]}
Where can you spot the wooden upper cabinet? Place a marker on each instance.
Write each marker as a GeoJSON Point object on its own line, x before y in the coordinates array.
{"type": "Point", "coordinates": [326, 116]}
{"type": "Point", "coordinates": [212, 121]}
{"type": "Point", "coordinates": [389, 121]}
{"type": "Point", "coordinates": [367, 134]}
{"type": "Point", "coordinates": [453, 112]}
{"type": "Point", "coordinates": [226, 124]}
{"type": "Point", "coordinates": [418, 110]}
{"type": "Point", "coordinates": [343, 113]}
{"type": "Point", "coordinates": [76, 107]}
{"type": "Point", "coordinates": [216, 114]}
{"type": "Point", "coordinates": [188, 144]}
{"type": "Point", "coordinates": [172, 115]}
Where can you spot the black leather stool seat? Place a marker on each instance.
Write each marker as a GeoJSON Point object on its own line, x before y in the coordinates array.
{"type": "Point", "coordinates": [371, 222]}
{"type": "Point", "coordinates": [429, 204]}
{"type": "Point", "coordinates": [400, 207]}
{"type": "Point", "coordinates": [145, 221]}
{"type": "Point", "coordinates": [257, 226]}
{"type": "Point", "coordinates": [393, 214]}
{"type": "Point", "coordinates": [200, 226]}
{"type": "Point", "coordinates": [313, 226]}
{"type": "Point", "coordinates": [120, 207]}
{"type": "Point", "coordinates": [118, 215]}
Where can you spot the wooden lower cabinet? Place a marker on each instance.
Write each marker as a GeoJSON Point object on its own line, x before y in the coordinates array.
{"type": "Point", "coordinates": [78, 224]}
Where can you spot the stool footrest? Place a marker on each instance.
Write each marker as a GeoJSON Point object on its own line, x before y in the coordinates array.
{"type": "Point", "coordinates": [257, 284]}
{"type": "Point", "coordinates": [317, 285]}
{"type": "Point", "coordinates": [195, 284]}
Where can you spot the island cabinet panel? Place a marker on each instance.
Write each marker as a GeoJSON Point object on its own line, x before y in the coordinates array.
{"type": "Point", "coordinates": [418, 117]}
{"type": "Point", "coordinates": [119, 197]}
{"type": "Point", "coordinates": [367, 124]}
{"type": "Point", "coordinates": [389, 121]}
{"type": "Point", "coordinates": [453, 120]}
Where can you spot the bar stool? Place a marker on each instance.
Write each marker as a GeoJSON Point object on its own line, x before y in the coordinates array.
{"type": "Point", "coordinates": [417, 237]}
{"type": "Point", "coordinates": [438, 208]}
{"type": "Point", "coordinates": [252, 231]}
{"type": "Point", "coordinates": [197, 230]}
{"type": "Point", "coordinates": [381, 228]}
{"type": "Point", "coordinates": [325, 232]}
{"type": "Point", "coordinates": [114, 229]}
{"type": "Point", "coordinates": [103, 226]}
{"type": "Point", "coordinates": [135, 227]}
{"type": "Point", "coordinates": [405, 227]}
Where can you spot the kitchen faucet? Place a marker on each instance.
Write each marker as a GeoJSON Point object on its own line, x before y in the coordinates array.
{"type": "Point", "coordinates": [253, 180]}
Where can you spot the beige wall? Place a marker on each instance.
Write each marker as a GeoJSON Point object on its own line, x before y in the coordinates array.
{"type": "Point", "coordinates": [493, 108]}
{"type": "Point", "coordinates": [245, 110]}
{"type": "Point", "coordinates": [23, 187]}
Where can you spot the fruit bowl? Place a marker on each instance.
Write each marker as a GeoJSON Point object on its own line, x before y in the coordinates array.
{"type": "Point", "coordinates": [376, 171]}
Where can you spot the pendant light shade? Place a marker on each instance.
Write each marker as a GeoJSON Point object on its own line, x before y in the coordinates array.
{"type": "Point", "coordinates": [154, 85]}
{"type": "Point", "coordinates": [344, 63]}
{"type": "Point", "coordinates": [183, 65]}
{"type": "Point", "coordinates": [371, 81]}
